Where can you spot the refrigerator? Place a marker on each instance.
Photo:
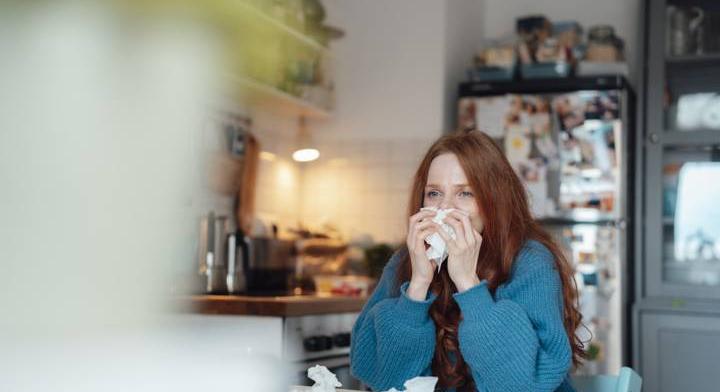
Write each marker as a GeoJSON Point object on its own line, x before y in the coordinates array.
{"type": "Point", "coordinates": [568, 140]}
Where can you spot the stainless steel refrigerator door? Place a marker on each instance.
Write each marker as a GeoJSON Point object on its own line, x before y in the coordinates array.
{"type": "Point", "coordinates": [596, 252]}
{"type": "Point", "coordinates": [591, 130]}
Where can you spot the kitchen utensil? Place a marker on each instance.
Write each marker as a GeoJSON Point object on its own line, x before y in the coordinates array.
{"type": "Point", "coordinates": [212, 253]}
{"type": "Point", "coordinates": [270, 264]}
{"type": "Point", "coordinates": [245, 204]}
{"type": "Point", "coordinates": [685, 30]}
{"type": "Point", "coordinates": [240, 247]}
{"type": "Point", "coordinates": [235, 278]}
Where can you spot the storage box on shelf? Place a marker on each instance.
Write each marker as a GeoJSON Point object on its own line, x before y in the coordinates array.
{"type": "Point", "coordinates": [544, 70]}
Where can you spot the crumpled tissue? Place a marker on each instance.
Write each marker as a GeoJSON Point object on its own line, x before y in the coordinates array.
{"type": "Point", "coordinates": [438, 248]}
{"type": "Point", "coordinates": [418, 384]}
{"type": "Point", "coordinates": [325, 380]}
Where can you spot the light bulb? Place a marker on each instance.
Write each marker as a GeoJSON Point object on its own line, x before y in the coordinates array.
{"type": "Point", "coordinates": [306, 155]}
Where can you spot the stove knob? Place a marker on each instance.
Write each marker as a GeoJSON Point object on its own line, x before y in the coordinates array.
{"type": "Point", "coordinates": [341, 339]}
{"type": "Point", "coordinates": [327, 342]}
{"type": "Point", "coordinates": [317, 343]}
{"type": "Point", "coordinates": [312, 343]}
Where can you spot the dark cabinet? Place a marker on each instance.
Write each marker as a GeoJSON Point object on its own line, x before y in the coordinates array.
{"type": "Point", "coordinates": [677, 322]}
{"type": "Point", "coordinates": [680, 352]}
{"type": "Point", "coordinates": [682, 147]}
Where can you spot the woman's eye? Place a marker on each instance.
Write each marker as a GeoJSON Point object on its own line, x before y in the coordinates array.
{"type": "Point", "coordinates": [433, 194]}
{"type": "Point", "coordinates": [466, 194]}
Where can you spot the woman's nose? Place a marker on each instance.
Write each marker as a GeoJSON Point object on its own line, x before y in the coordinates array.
{"type": "Point", "coordinates": [446, 204]}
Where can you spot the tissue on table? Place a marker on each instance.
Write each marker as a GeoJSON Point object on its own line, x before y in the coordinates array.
{"type": "Point", "coordinates": [418, 384]}
{"type": "Point", "coordinates": [325, 380]}
{"type": "Point", "coordinates": [438, 248]}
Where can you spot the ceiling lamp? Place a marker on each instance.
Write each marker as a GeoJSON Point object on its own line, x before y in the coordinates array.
{"type": "Point", "coordinates": [305, 152]}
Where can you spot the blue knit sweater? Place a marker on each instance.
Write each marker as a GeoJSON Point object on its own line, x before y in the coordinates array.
{"type": "Point", "coordinates": [512, 341]}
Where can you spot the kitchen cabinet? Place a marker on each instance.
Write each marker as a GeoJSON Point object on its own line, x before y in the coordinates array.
{"type": "Point", "coordinates": [676, 312]}
{"type": "Point", "coordinates": [299, 330]}
{"type": "Point", "coordinates": [228, 335]}
{"type": "Point", "coordinates": [682, 158]}
{"type": "Point", "coordinates": [680, 351]}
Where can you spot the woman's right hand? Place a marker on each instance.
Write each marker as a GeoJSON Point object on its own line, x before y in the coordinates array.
{"type": "Point", "coordinates": [420, 227]}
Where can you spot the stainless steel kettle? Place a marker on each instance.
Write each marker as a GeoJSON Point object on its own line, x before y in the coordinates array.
{"type": "Point", "coordinates": [213, 251]}
{"type": "Point", "coordinates": [239, 253]}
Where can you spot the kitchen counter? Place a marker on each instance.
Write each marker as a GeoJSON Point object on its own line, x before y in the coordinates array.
{"type": "Point", "coordinates": [278, 306]}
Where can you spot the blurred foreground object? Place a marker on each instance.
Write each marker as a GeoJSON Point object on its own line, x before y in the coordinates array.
{"type": "Point", "coordinates": [100, 113]}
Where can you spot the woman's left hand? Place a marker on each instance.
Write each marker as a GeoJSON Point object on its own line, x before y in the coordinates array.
{"type": "Point", "coordinates": [463, 251]}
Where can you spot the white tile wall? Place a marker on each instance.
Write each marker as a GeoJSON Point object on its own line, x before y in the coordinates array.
{"type": "Point", "coordinates": [367, 192]}
{"type": "Point", "coordinates": [278, 195]}
{"type": "Point", "coordinates": [360, 186]}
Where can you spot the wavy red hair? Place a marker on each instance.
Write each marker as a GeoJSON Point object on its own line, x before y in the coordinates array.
{"type": "Point", "coordinates": [503, 206]}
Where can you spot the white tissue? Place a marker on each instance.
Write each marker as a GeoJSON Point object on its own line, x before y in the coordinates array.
{"type": "Point", "coordinates": [418, 384]}
{"type": "Point", "coordinates": [325, 380]}
{"type": "Point", "coordinates": [438, 248]}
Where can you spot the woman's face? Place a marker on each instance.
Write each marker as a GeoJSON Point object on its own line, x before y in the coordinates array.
{"type": "Point", "coordinates": [447, 187]}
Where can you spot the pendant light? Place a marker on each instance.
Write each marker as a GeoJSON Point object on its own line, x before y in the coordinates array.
{"type": "Point", "coordinates": [305, 152]}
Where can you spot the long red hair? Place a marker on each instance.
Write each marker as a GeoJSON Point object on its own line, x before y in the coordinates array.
{"type": "Point", "coordinates": [508, 224]}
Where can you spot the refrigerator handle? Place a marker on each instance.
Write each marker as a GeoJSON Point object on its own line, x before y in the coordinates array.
{"type": "Point", "coordinates": [621, 224]}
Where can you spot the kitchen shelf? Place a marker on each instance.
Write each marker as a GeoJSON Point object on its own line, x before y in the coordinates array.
{"type": "Point", "coordinates": [693, 273]}
{"type": "Point", "coordinates": [696, 137]}
{"type": "Point", "coordinates": [705, 265]}
{"type": "Point", "coordinates": [290, 31]}
{"type": "Point", "coordinates": [675, 303]}
{"type": "Point", "coordinates": [543, 86]}
{"type": "Point", "coordinates": [267, 96]}
{"type": "Point", "coordinates": [591, 217]}
{"type": "Point", "coordinates": [708, 59]}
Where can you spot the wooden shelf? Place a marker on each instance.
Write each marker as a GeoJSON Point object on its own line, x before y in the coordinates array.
{"type": "Point", "coordinates": [263, 95]}
{"type": "Point", "coordinates": [290, 31]}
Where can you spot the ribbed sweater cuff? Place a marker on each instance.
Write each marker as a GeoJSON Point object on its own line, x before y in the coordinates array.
{"type": "Point", "coordinates": [415, 312]}
{"type": "Point", "coordinates": [475, 301]}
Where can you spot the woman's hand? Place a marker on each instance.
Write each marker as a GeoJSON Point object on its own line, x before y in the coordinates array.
{"type": "Point", "coordinates": [420, 227]}
{"type": "Point", "coordinates": [463, 251]}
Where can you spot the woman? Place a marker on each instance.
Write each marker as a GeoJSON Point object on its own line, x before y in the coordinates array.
{"type": "Point", "coordinates": [501, 313]}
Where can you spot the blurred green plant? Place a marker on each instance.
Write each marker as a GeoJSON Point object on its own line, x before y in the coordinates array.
{"type": "Point", "coordinates": [253, 44]}
{"type": "Point", "coordinates": [593, 352]}
{"type": "Point", "coordinates": [376, 257]}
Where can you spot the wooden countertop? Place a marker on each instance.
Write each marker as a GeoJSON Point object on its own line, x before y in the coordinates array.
{"type": "Point", "coordinates": [279, 306]}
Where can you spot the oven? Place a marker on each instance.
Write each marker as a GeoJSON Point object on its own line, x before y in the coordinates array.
{"type": "Point", "coordinates": [320, 340]}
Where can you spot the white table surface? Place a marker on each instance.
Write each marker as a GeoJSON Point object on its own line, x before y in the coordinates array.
{"type": "Point", "coordinates": [299, 388]}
